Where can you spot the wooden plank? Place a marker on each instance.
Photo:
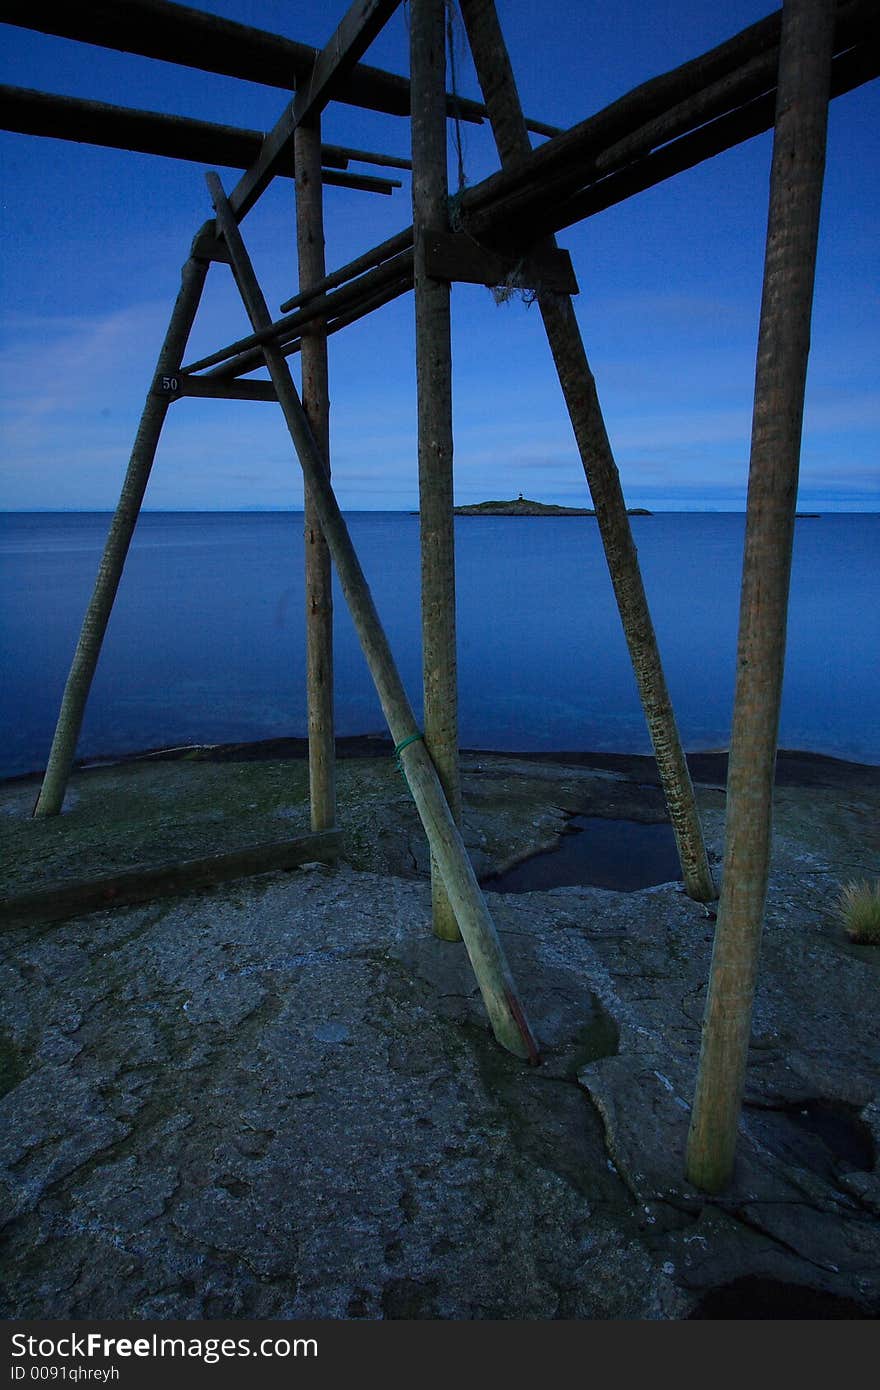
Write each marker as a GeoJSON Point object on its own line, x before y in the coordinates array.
{"type": "Point", "coordinates": [356, 31]}
{"type": "Point", "coordinates": [60, 901]}
{"type": "Point", "coordinates": [796, 178]}
{"type": "Point", "coordinates": [172, 387]}
{"type": "Point", "coordinates": [506, 1014]}
{"type": "Point", "coordinates": [454, 256]}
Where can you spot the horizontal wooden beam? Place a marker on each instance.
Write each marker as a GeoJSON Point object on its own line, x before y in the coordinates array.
{"type": "Point", "coordinates": [364, 183]}
{"type": "Point", "coordinates": [212, 388]}
{"type": "Point", "coordinates": [195, 39]}
{"type": "Point", "coordinates": [848, 71]}
{"type": "Point", "coordinates": [658, 110]}
{"type": "Point", "coordinates": [209, 43]}
{"type": "Point", "coordinates": [59, 901]}
{"type": "Point", "coordinates": [546, 213]}
{"type": "Point", "coordinates": [178, 137]}
{"type": "Point", "coordinates": [454, 256]}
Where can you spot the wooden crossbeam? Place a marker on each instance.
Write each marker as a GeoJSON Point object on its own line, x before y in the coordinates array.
{"type": "Point", "coordinates": [364, 183]}
{"type": "Point", "coordinates": [209, 43]}
{"type": "Point", "coordinates": [401, 242]}
{"type": "Point", "coordinates": [453, 256]}
{"type": "Point", "coordinates": [504, 202]}
{"type": "Point", "coordinates": [359, 27]}
{"type": "Point", "coordinates": [400, 267]}
{"type": "Point", "coordinates": [178, 137]}
{"type": "Point", "coordinates": [212, 388]}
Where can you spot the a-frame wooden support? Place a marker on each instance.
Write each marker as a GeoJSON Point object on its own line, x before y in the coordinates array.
{"type": "Point", "coordinates": [505, 1011]}
{"type": "Point", "coordinates": [500, 94]}
{"type": "Point", "coordinates": [88, 647]}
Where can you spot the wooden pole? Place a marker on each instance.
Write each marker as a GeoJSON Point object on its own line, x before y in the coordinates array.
{"type": "Point", "coordinates": [783, 348]}
{"type": "Point", "coordinates": [579, 389]}
{"type": "Point", "coordinates": [430, 194]}
{"type": "Point", "coordinates": [506, 1014]}
{"type": "Point", "coordinates": [316, 403]}
{"type": "Point", "coordinates": [91, 637]}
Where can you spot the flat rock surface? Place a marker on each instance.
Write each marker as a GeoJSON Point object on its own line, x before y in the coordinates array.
{"type": "Point", "coordinates": [280, 1098]}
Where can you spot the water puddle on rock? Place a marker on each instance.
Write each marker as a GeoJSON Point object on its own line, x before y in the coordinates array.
{"type": "Point", "coordinates": [622, 854]}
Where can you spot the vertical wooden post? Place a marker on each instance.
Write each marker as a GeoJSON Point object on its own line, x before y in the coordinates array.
{"type": "Point", "coordinates": [316, 403]}
{"type": "Point", "coordinates": [783, 348]}
{"type": "Point", "coordinates": [506, 1014]}
{"type": "Point", "coordinates": [91, 637]}
{"type": "Point", "coordinates": [434, 386]}
{"type": "Point", "coordinates": [579, 389]}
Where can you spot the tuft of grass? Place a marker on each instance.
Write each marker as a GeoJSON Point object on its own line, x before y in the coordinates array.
{"type": "Point", "coordinates": [859, 910]}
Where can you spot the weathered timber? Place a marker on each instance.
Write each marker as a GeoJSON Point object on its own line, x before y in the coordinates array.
{"type": "Point", "coordinates": [430, 202]}
{"type": "Point", "coordinates": [581, 397]}
{"type": "Point", "coordinates": [545, 216]}
{"type": "Point", "coordinates": [246, 353]}
{"type": "Point", "coordinates": [59, 901]}
{"type": "Point", "coordinates": [363, 183]}
{"type": "Point", "coordinates": [783, 349]}
{"type": "Point", "coordinates": [453, 256]}
{"type": "Point", "coordinates": [502, 205]}
{"type": "Point", "coordinates": [848, 70]}
{"type": "Point", "coordinates": [177, 137]}
{"type": "Point", "coordinates": [91, 637]}
{"type": "Point", "coordinates": [492, 972]}
{"type": "Point", "coordinates": [384, 295]}
{"type": "Point", "coordinates": [359, 26]}
{"type": "Point", "coordinates": [212, 388]}
{"type": "Point", "coordinates": [385, 251]}
{"type": "Point", "coordinates": [316, 403]}
{"type": "Point", "coordinates": [196, 39]}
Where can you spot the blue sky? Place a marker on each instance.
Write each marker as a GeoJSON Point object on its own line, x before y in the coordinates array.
{"type": "Point", "coordinates": [92, 241]}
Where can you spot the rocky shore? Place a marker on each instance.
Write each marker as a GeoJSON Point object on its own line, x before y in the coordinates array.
{"type": "Point", "coordinates": [279, 1097]}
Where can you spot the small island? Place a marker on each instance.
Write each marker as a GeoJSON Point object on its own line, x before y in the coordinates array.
{"type": "Point", "coordinates": [523, 506]}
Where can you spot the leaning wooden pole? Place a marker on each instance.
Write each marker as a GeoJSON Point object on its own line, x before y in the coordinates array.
{"type": "Point", "coordinates": [783, 348]}
{"type": "Point", "coordinates": [500, 94]}
{"type": "Point", "coordinates": [91, 637]}
{"type": "Point", "coordinates": [506, 1014]}
{"type": "Point", "coordinates": [430, 194]}
{"type": "Point", "coordinates": [316, 403]}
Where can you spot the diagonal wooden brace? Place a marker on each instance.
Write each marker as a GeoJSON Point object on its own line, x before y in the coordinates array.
{"type": "Point", "coordinates": [491, 969]}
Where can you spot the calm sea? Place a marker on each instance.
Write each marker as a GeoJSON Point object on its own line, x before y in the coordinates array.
{"type": "Point", "coordinates": [206, 639]}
